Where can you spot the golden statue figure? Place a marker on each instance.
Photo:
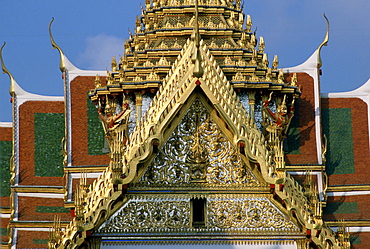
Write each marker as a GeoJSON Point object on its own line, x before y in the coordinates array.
{"type": "Point", "coordinates": [115, 124]}
{"type": "Point", "coordinates": [110, 119]}
{"type": "Point", "coordinates": [281, 118]}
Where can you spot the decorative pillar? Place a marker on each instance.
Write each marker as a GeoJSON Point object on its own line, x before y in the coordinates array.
{"type": "Point", "coordinates": [94, 243]}
{"type": "Point", "coordinates": [139, 106]}
{"type": "Point", "coordinates": [302, 243]}
{"type": "Point", "coordinates": [252, 102]}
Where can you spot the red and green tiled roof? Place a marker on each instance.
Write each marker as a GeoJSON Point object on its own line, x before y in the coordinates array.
{"type": "Point", "coordinates": [49, 131]}
{"type": "Point", "coordinates": [345, 123]}
{"type": "Point", "coordinates": [337, 126]}
{"type": "Point", "coordinates": [5, 155]}
{"type": "Point", "coordinates": [95, 131]}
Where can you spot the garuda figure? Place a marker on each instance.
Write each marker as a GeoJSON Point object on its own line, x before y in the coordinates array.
{"type": "Point", "coordinates": [280, 119]}
{"type": "Point", "coordinates": [115, 124]}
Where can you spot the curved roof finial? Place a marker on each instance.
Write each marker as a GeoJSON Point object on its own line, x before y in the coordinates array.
{"type": "Point", "coordinates": [324, 43]}
{"type": "Point", "coordinates": [5, 70]}
{"type": "Point", "coordinates": [62, 65]}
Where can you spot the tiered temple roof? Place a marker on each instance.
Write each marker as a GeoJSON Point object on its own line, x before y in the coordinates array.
{"type": "Point", "coordinates": [185, 58]}
{"type": "Point", "coordinates": [163, 30]}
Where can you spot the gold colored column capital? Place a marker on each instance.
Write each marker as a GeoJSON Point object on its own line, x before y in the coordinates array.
{"type": "Point", "coordinates": [139, 98]}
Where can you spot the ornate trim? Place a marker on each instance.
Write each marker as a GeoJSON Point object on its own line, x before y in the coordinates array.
{"type": "Point", "coordinates": [266, 153]}
{"type": "Point", "coordinates": [227, 214]}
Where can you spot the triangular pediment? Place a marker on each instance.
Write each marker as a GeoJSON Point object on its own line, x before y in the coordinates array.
{"type": "Point", "coordinates": [244, 188]}
{"type": "Point", "coordinates": [180, 85]}
{"type": "Point", "coordinates": [224, 163]}
{"type": "Point", "coordinates": [197, 152]}
{"type": "Point", "coordinates": [257, 197]}
{"type": "Point", "coordinates": [186, 149]}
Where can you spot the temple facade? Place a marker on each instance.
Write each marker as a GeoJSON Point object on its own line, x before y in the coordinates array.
{"type": "Point", "coordinates": [192, 139]}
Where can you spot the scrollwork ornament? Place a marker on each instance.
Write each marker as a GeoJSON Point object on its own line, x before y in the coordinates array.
{"type": "Point", "coordinates": [197, 151]}
{"type": "Point", "coordinates": [246, 214]}
{"type": "Point", "coordinates": [146, 215]}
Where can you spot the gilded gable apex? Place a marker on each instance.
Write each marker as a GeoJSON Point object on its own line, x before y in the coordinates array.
{"type": "Point", "coordinates": [176, 89]}
{"type": "Point", "coordinates": [200, 159]}
{"type": "Point", "coordinates": [197, 152]}
{"type": "Point", "coordinates": [255, 160]}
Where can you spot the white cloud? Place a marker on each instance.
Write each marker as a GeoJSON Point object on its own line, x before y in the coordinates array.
{"type": "Point", "coordinates": [99, 51]}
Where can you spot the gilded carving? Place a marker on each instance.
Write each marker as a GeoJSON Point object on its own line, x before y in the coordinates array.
{"type": "Point", "coordinates": [197, 151]}
{"type": "Point", "coordinates": [223, 213]}
{"type": "Point", "coordinates": [239, 77]}
{"type": "Point", "coordinates": [110, 120]}
{"type": "Point", "coordinates": [246, 213]}
{"type": "Point", "coordinates": [197, 156]}
{"type": "Point", "coordinates": [280, 119]}
{"type": "Point", "coordinates": [150, 215]}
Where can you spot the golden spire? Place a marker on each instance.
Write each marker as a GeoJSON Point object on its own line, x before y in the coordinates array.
{"type": "Point", "coordinates": [62, 65]}
{"type": "Point", "coordinates": [97, 81]}
{"type": "Point", "coordinates": [261, 45]}
{"type": "Point", "coordinates": [248, 23]}
{"type": "Point", "coordinates": [5, 70]}
{"type": "Point", "coordinates": [196, 28]}
{"type": "Point", "coordinates": [197, 58]}
{"type": "Point", "coordinates": [265, 61]}
{"type": "Point", "coordinates": [275, 62]}
{"type": "Point", "coordinates": [324, 43]}
{"type": "Point", "coordinates": [114, 64]}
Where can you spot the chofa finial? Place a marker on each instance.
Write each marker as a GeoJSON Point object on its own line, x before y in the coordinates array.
{"type": "Point", "coordinates": [5, 70]}
{"type": "Point", "coordinates": [324, 43]}
{"type": "Point", "coordinates": [62, 65]}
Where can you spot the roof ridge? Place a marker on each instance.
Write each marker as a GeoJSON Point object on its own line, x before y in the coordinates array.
{"type": "Point", "coordinates": [178, 85]}
{"type": "Point", "coordinates": [164, 99]}
{"type": "Point", "coordinates": [245, 128]}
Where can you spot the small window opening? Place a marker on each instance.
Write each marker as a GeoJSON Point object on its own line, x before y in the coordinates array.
{"type": "Point", "coordinates": [198, 212]}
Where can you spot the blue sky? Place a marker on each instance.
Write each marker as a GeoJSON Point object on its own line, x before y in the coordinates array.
{"type": "Point", "coordinates": [91, 32]}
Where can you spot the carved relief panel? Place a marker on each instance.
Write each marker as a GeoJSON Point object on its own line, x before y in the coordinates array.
{"type": "Point", "coordinates": [247, 213]}
{"type": "Point", "coordinates": [198, 152]}
{"type": "Point", "coordinates": [150, 215]}
{"type": "Point", "coordinates": [225, 213]}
